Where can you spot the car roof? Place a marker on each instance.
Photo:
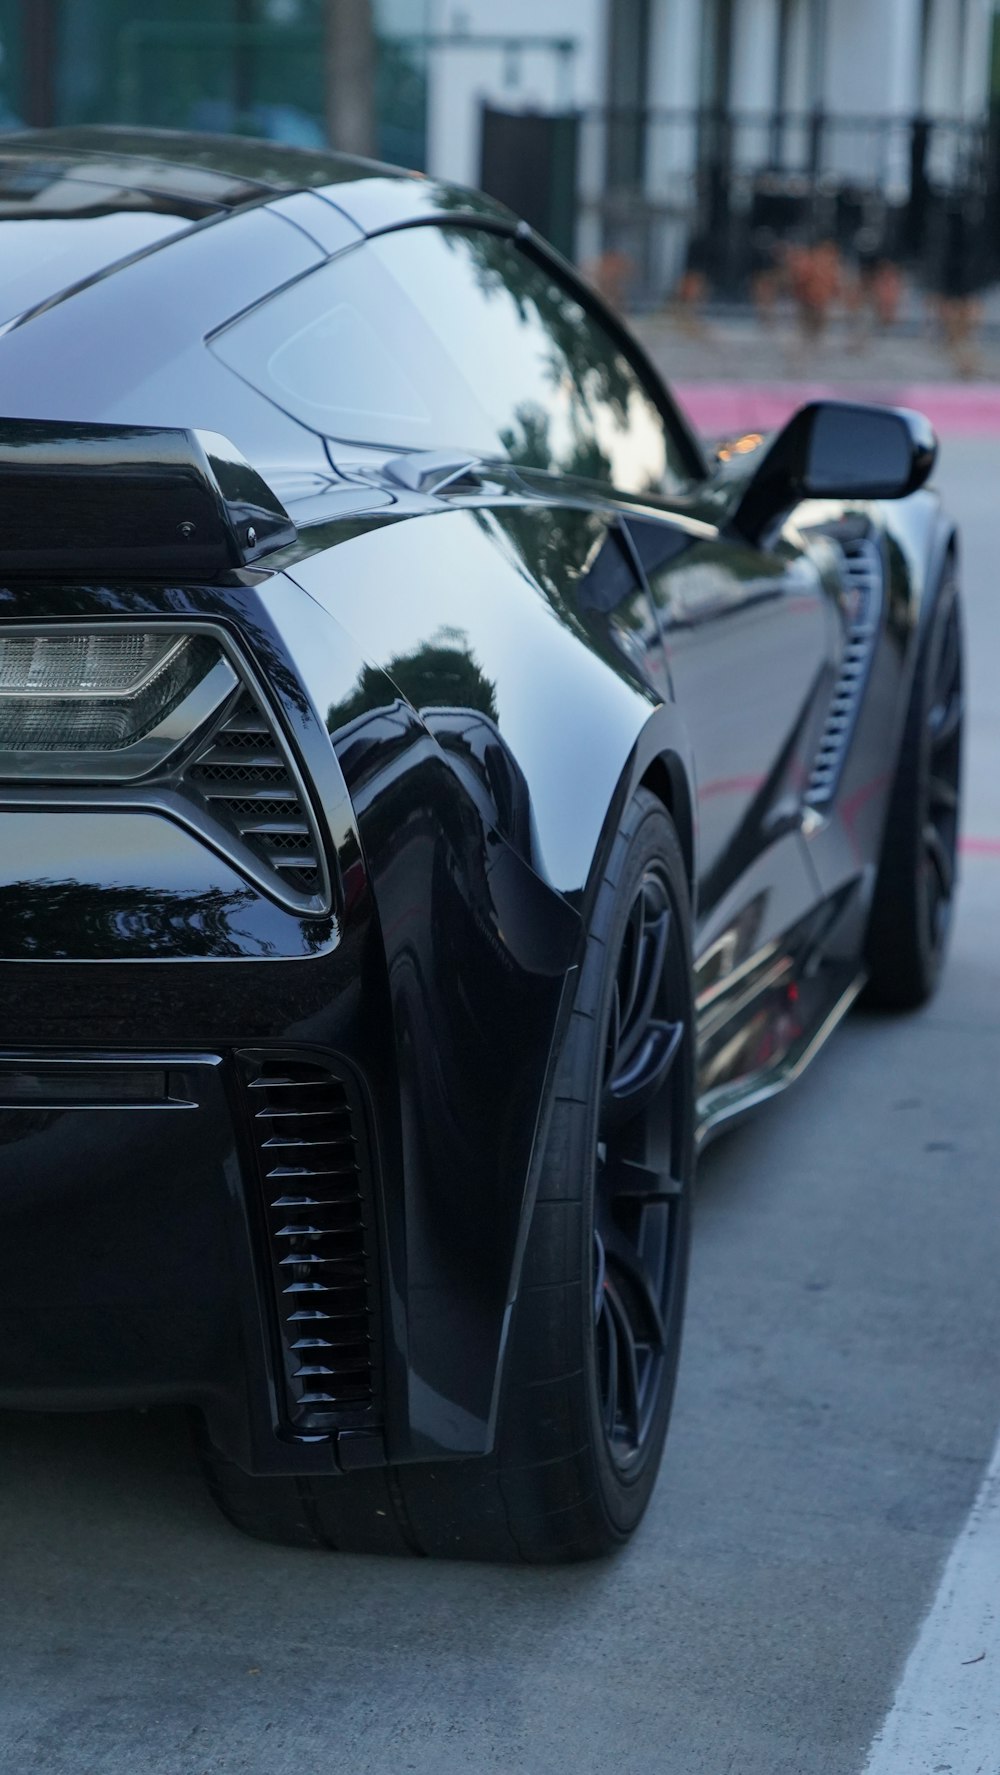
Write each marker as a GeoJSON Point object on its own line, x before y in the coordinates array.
{"type": "Point", "coordinates": [146, 188]}
{"type": "Point", "coordinates": [226, 170]}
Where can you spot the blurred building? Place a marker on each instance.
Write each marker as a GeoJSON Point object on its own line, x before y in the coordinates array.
{"type": "Point", "coordinates": [847, 59]}
{"type": "Point", "coordinates": [702, 125]}
{"type": "Point", "coordinates": [659, 134]}
{"type": "Point", "coordinates": [251, 66]}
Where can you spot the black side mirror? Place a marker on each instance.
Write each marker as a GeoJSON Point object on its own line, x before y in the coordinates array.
{"type": "Point", "coordinates": [839, 450]}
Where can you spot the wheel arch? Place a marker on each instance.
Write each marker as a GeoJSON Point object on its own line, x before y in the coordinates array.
{"type": "Point", "coordinates": [921, 535]}
{"type": "Point", "coordinates": [661, 761]}
{"type": "Point", "coordinates": [947, 545]}
{"type": "Point", "coordinates": [941, 545]}
{"type": "Point", "coordinates": [664, 777]}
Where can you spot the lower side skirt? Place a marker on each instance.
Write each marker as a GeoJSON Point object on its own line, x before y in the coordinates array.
{"type": "Point", "coordinates": [720, 1108]}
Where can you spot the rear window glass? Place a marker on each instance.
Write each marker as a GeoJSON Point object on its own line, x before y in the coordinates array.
{"type": "Point", "coordinates": [41, 257]}
{"type": "Point", "coordinates": [454, 338]}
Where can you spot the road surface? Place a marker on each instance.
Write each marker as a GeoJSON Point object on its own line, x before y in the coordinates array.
{"type": "Point", "coordinates": [838, 1408]}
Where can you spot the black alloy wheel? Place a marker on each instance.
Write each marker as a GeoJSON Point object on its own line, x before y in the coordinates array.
{"type": "Point", "coordinates": [639, 1187]}
{"type": "Point", "coordinates": [943, 778]}
{"type": "Point", "coordinates": [918, 869]}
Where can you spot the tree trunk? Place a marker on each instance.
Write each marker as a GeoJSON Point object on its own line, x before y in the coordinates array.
{"type": "Point", "coordinates": [350, 75]}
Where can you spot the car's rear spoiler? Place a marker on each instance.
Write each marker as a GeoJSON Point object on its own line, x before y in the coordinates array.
{"type": "Point", "coordinates": [129, 501]}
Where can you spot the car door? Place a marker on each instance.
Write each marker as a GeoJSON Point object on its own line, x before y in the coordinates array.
{"type": "Point", "coordinates": [749, 648]}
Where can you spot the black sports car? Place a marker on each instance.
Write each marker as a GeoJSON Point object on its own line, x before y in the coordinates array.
{"type": "Point", "coordinates": [435, 798]}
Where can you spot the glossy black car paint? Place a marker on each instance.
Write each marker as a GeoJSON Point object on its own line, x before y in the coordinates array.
{"type": "Point", "coordinates": [473, 683]}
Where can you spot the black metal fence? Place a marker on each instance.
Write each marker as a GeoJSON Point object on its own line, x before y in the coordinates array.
{"type": "Point", "coordinates": [658, 193]}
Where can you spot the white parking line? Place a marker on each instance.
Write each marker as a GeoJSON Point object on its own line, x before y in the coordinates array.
{"type": "Point", "coordinates": [945, 1719]}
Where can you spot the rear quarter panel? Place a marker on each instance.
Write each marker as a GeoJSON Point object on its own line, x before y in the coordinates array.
{"type": "Point", "coordinates": [486, 731]}
{"type": "Point", "coordinates": [487, 601]}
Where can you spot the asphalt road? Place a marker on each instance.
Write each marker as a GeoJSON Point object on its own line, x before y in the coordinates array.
{"type": "Point", "coordinates": [839, 1399]}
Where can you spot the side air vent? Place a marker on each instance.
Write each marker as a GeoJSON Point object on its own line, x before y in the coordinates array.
{"type": "Point", "coordinates": [247, 782]}
{"type": "Point", "coordinates": [308, 1130]}
{"type": "Point", "coordinates": [863, 577]}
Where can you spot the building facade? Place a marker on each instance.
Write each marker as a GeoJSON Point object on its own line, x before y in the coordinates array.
{"type": "Point", "coordinates": [850, 59]}
{"type": "Point", "coordinates": [687, 120]}
{"type": "Point", "coordinates": [703, 117]}
{"type": "Point", "coordinates": [255, 67]}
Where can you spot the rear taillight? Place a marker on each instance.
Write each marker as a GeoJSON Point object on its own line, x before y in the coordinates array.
{"type": "Point", "coordinates": [145, 714]}
{"type": "Point", "coordinates": [107, 704]}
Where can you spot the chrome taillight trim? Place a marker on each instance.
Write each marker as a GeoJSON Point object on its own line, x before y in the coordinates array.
{"type": "Point", "coordinates": [154, 775]}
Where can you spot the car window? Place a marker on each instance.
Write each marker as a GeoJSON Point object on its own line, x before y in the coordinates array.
{"type": "Point", "coordinates": [43, 255]}
{"type": "Point", "coordinates": [451, 337]}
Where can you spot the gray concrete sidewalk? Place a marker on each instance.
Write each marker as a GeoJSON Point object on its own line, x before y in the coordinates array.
{"type": "Point", "coordinates": [736, 348]}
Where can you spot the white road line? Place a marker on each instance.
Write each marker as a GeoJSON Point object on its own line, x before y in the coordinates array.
{"type": "Point", "coordinates": [945, 1719]}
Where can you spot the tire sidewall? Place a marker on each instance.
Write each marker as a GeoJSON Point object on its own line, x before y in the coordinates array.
{"type": "Point", "coordinates": [904, 964]}
{"type": "Point", "coordinates": [947, 599]}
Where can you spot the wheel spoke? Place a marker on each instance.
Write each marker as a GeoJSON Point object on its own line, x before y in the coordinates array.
{"type": "Point", "coordinates": [632, 960]}
{"type": "Point", "coordinates": [631, 1090]}
{"type": "Point", "coordinates": [942, 793]}
{"type": "Point", "coordinates": [945, 721]}
{"type": "Point", "coordinates": [606, 1324]}
{"type": "Point", "coordinates": [627, 1402]}
{"type": "Point", "coordinates": [950, 662]}
{"type": "Point", "coordinates": [599, 1269]}
{"type": "Point", "coordinates": [625, 1264]}
{"type": "Point", "coordinates": [648, 976]}
{"type": "Point", "coordinates": [627, 1180]}
{"type": "Point", "coordinates": [941, 858]}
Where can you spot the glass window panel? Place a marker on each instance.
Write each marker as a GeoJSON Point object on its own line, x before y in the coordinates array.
{"type": "Point", "coordinates": [433, 338]}
{"type": "Point", "coordinates": [46, 255]}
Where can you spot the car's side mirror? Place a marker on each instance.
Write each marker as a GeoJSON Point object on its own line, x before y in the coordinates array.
{"type": "Point", "coordinates": [838, 450]}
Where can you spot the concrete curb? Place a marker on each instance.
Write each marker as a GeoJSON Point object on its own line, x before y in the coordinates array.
{"type": "Point", "coordinates": [725, 409]}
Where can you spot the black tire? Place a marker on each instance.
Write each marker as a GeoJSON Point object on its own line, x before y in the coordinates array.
{"type": "Point", "coordinates": [583, 1413]}
{"type": "Point", "coordinates": [918, 868]}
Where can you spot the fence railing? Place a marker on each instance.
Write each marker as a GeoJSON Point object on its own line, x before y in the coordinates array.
{"type": "Point", "coordinates": [662, 192]}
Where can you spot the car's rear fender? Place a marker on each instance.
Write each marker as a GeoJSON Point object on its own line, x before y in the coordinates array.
{"type": "Point", "coordinates": [497, 737]}
{"type": "Point", "coordinates": [919, 537]}
{"type": "Point", "coordinates": [470, 973]}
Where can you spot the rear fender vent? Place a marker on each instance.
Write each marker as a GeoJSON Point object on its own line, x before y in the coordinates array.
{"type": "Point", "coordinates": [246, 781]}
{"type": "Point", "coordinates": [308, 1130]}
{"type": "Point", "coordinates": [863, 576]}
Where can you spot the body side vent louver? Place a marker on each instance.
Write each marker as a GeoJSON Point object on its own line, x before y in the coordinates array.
{"type": "Point", "coordinates": [246, 780]}
{"type": "Point", "coordinates": [308, 1130]}
{"type": "Point", "coordinates": [863, 576]}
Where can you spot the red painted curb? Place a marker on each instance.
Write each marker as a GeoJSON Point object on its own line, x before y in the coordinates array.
{"type": "Point", "coordinates": [980, 847]}
{"type": "Point", "coordinates": [728, 408]}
